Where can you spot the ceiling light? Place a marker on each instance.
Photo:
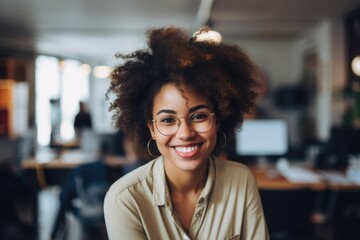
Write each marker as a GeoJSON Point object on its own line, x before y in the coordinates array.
{"type": "Point", "coordinates": [355, 65]}
{"type": "Point", "coordinates": [85, 68]}
{"type": "Point", "coordinates": [101, 71]}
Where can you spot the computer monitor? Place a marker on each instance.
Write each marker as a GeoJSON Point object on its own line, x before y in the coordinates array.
{"type": "Point", "coordinates": [262, 138]}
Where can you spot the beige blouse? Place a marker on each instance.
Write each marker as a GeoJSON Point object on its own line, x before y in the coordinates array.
{"type": "Point", "coordinates": [138, 205]}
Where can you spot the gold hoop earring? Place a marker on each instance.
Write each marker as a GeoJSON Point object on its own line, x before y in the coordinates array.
{"type": "Point", "coordinates": [148, 148]}
{"type": "Point", "coordinates": [224, 143]}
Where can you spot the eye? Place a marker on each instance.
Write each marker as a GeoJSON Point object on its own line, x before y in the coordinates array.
{"type": "Point", "coordinates": [198, 117]}
{"type": "Point", "coordinates": [167, 120]}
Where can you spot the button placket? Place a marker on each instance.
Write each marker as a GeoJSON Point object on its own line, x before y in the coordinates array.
{"type": "Point", "coordinates": [186, 237]}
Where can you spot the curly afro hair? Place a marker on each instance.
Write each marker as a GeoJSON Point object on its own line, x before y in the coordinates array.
{"type": "Point", "coordinates": [221, 71]}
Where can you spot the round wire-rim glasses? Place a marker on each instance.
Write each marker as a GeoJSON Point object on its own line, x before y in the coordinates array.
{"type": "Point", "coordinates": [169, 124]}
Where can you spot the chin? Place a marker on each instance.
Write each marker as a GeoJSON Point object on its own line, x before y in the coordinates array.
{"type": "Point", "coordinates": [190, 164]}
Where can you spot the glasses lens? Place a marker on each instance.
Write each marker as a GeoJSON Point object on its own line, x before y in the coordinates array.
{"type": "Point", "coordinates": [200, 121]}
{"type": "Point", "coordinates": [168, 125]}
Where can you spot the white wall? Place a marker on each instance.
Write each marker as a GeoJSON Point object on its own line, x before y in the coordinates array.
{"type": "Point", "coordinates": [276, 57]}
{"type": "Point", "coordinates": [102, 118]}
{"type": "Point", "coordinates": [282, 62]}
{"type": "Point", "coordinates": [327, 40]}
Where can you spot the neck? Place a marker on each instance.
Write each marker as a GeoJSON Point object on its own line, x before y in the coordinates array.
{"type": "Point", "coordinates": [186, 181]}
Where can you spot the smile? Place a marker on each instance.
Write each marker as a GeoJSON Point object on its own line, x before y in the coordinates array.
{"type": "Point", "coordinates": [187, 149]}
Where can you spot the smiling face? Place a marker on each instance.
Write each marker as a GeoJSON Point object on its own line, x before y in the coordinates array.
{"type": "Point", "coordinates": [186, 149]}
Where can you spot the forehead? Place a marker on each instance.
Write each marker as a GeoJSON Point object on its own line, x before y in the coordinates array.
{"type": "Point", "coordinates": [179, 98]}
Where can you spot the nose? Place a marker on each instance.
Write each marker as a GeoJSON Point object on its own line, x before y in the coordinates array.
{"type": "Point", "coordinates": [185, 131]}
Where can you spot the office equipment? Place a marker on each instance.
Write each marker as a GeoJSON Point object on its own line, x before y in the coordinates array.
{"type": "Point", "coordinates": [345, 140]}
{"type": "Point", "coordinates": [335, 177]}
{"type": "Point", "coordinates": [301, 175]}
{"type": "Point", "coordinates": [343, 143]}
{"type": "Point", "coordinates": [262, 138]}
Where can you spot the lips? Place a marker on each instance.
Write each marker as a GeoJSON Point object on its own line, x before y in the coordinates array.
{"type": "Point", "coordinates": [187, 151]}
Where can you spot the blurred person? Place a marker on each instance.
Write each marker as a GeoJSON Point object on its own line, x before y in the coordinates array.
{"type": "Point", "coordinates": [182, 97]}
{"type": "Point", "coordinates": [82, 119]}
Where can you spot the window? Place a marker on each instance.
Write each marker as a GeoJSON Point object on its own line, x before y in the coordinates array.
{"type": "Point", "coordinates": [60, 85]}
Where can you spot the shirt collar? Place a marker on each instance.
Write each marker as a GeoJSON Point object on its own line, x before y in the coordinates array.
{"type": "Point", "coordinates": [210, 179]}
{"type": "Point", "coordinates": [160, 189]}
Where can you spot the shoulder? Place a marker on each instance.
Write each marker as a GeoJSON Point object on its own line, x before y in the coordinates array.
{"type": "Point", "coordinates": [232, 171]}
{"type": "Point", "coordinates": [134, 179]}
{"type": "Point", "coordinates": [231, 166]}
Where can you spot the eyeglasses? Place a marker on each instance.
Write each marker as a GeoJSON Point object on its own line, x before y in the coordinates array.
{"type": "Point", "coordinates": [169, 124]}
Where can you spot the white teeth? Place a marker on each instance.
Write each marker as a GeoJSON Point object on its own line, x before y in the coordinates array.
{"type": "Point", "coordinates": [186, 149]}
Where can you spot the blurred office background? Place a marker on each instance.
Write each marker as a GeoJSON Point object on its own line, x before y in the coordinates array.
{"type": "Point", "coordinates": [54, 55]}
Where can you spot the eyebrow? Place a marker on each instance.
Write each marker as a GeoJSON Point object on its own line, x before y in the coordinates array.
{"type": "Point", "coordinates": [193, 109]}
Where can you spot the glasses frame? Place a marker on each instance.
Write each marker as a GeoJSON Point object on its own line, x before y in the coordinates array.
{"type": "Point", "coordinates": [178, 123]}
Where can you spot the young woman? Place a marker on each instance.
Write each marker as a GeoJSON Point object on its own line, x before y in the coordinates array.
{"type": "Point", "coordinates": [182, 98]}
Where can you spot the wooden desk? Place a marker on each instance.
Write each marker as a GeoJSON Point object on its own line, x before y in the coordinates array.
{"type": "Point", "coordinates": [270, 179]}
{"type": "Point", "coordinates": [337, 181]}
{"type": "Point", "coordinates": [335, 202]}
{"type": "Point", "coordinates": [53, 170]}
{"type": "Point", "coordinates": [59, 163]}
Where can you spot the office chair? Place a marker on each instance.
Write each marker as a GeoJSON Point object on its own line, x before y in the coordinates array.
{"type": "Point", "coordinates": [82, 198]}
{"type": "Point", "coordinates": [288, 213]}
{"type": "Point", "coordinates": [90, 206]}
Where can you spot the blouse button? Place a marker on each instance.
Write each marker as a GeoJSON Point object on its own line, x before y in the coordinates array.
{"type": "Point", "coordinates": [186, 237]}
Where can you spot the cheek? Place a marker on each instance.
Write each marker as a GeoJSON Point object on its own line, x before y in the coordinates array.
{"type": "Point", "coordinates": [161, 140]}
{"type": "Point", "coordinates": [210, 137]}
